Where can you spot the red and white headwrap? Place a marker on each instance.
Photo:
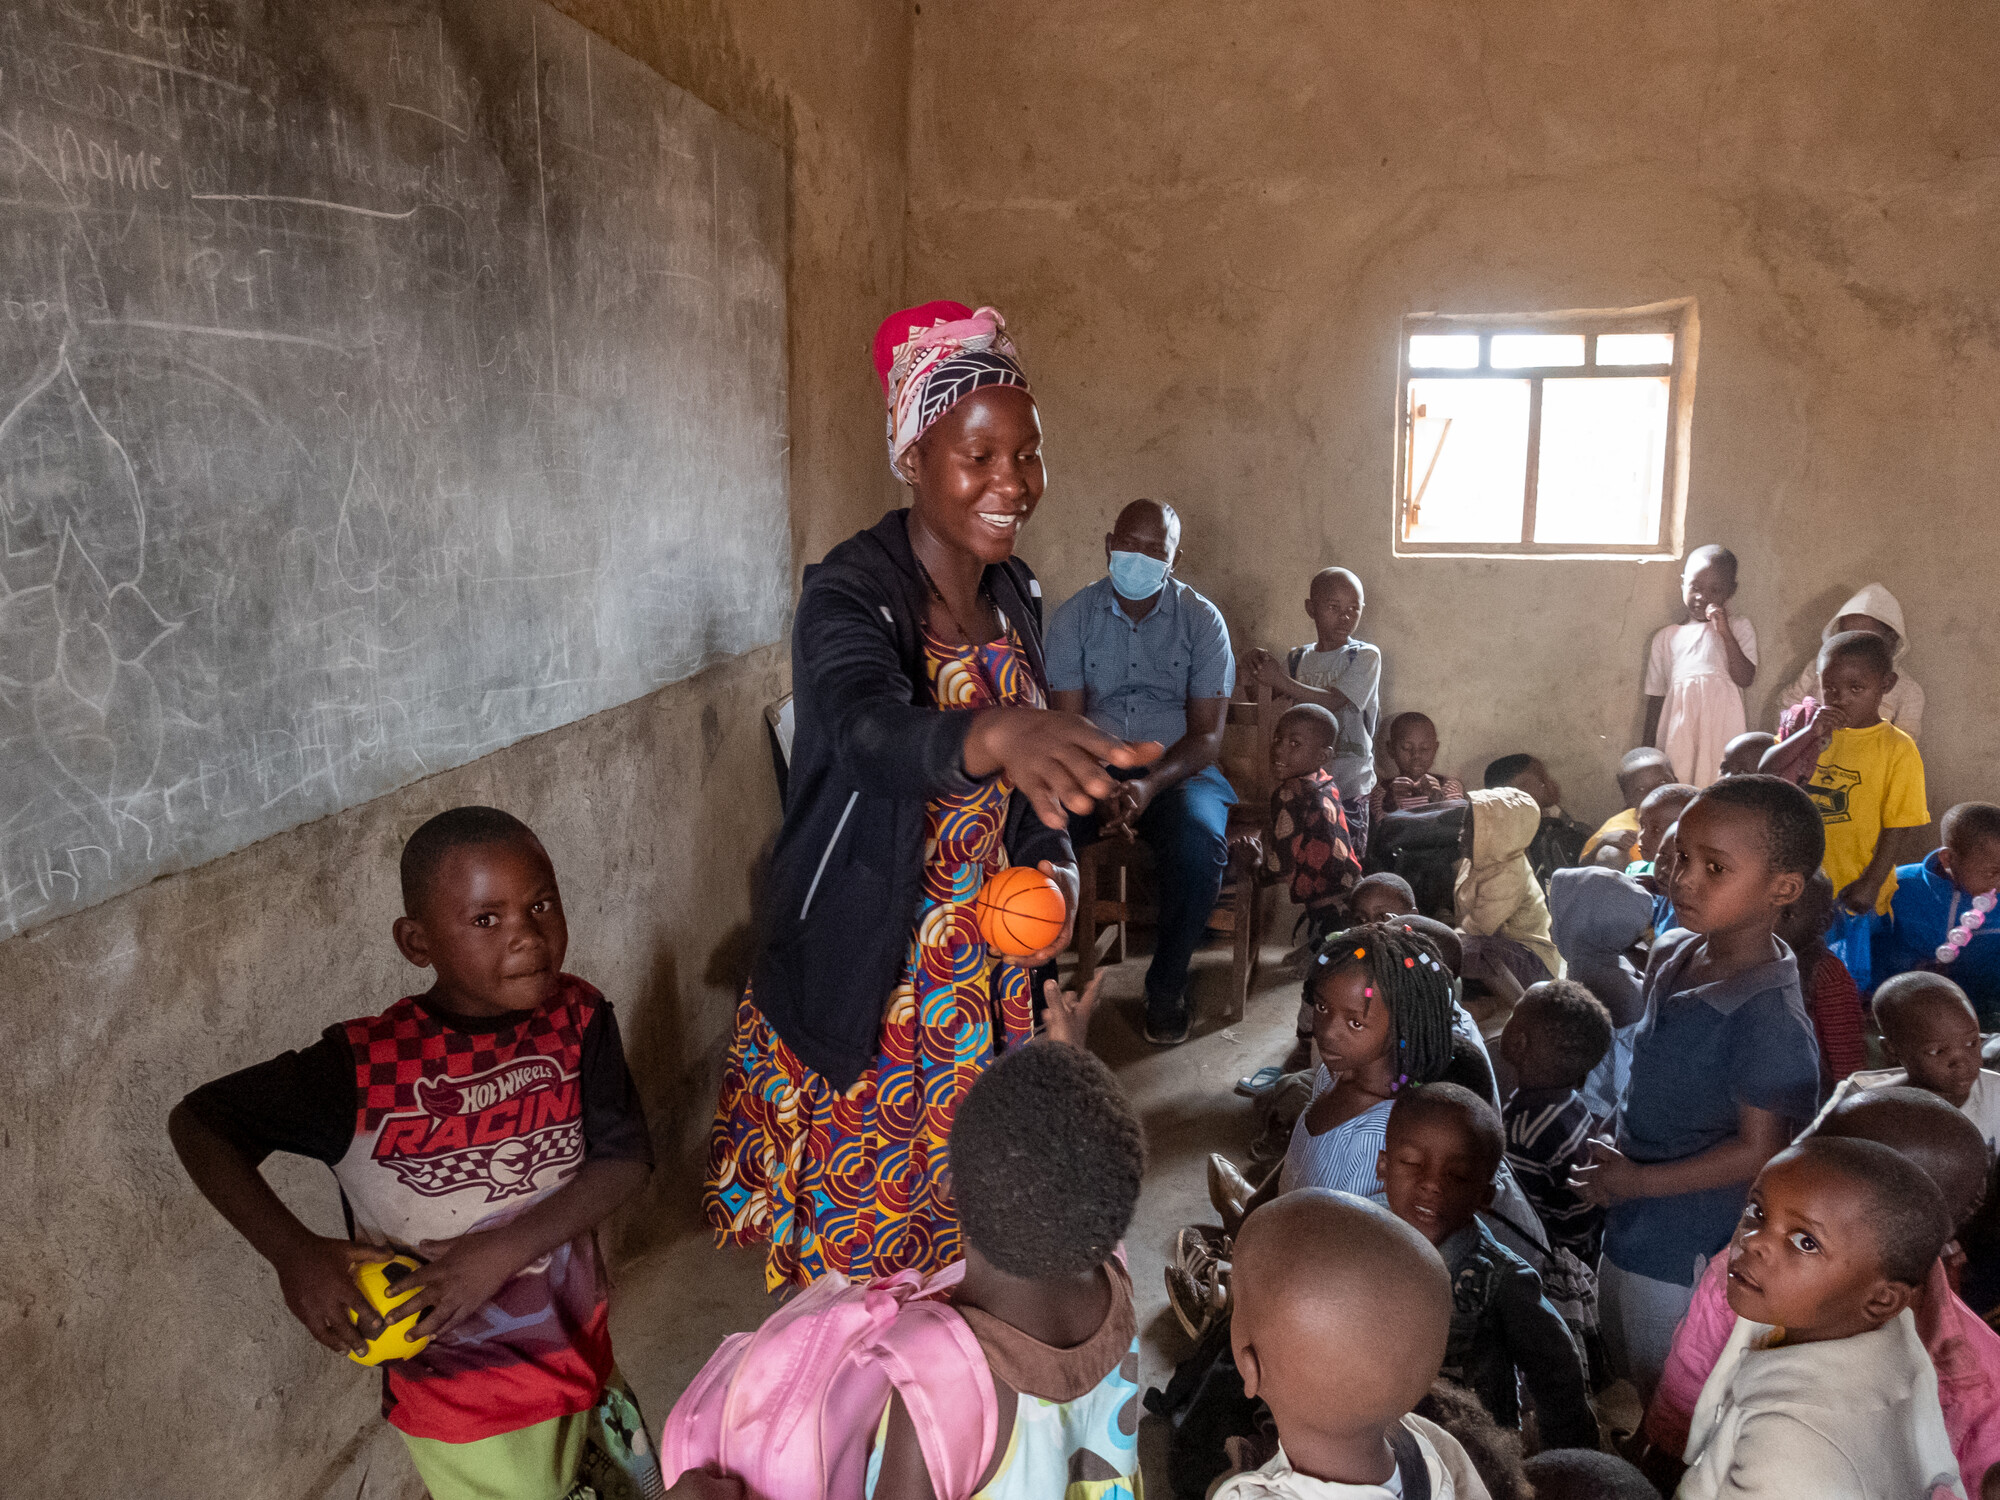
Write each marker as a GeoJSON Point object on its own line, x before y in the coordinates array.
{"type": "Point", "coordinates": [932, 357]}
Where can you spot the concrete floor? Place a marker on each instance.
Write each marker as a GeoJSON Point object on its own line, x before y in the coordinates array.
{"type": "Point", "coordinates": [672, 1307]}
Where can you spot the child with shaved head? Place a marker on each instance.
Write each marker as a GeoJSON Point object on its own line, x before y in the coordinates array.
{"type": "Point", "coordinates": [1824, 1388]}
{"type": "Point", "coordinates": [1342, 1315]}
{"type": "Point", "coordinates": [1929, 1031]}
{"type": "Point", "coordinates": [1941, 915]}
{"type": "Point", "coordinates": [1638, 773]}
{"type": "Point", "coordinates": [1343, 675]}
{"type": "Point", "coordinates": [1963, 1349]}
{"type": "Point", "coordinates": [1412, 741]}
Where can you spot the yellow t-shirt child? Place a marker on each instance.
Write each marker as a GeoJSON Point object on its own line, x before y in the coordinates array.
{"type": "Point", "coordinates": [1867, 780]}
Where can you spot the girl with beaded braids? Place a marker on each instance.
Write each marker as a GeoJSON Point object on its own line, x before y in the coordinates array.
{"type": "Point", "coordinates": [1380, 999]}
{"type": "Point", "coordinates": [1381, 1003]}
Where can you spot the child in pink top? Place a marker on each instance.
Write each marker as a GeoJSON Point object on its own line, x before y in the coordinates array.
{"type": "Point", "coordinates": [1964, 1350]}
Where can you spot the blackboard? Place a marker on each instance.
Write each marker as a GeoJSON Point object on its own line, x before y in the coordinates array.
{"type": "Point", "coordinates": [380, 383]}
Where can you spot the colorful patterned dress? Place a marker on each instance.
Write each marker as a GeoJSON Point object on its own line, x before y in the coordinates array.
{"type": "Point", "coordinates": [857, 1182]}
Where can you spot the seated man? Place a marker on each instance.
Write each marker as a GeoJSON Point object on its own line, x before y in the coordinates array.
{"type": "Point", "coordinates": [1147, 658]}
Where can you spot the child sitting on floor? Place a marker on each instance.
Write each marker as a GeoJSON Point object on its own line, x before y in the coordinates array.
{"type": "Point", "coordinates": [1558, 1033]}
{"type": "Point", "coordinates": [1824, 1388]}
{"type": "Point", "coordinates": [1832, 1000]}
{"type": "Point", "coordinates": [1343, 676]}
{"type": "Point", "coordinates": [1743, 755]}
{"type": "Point", "coordinates": [1319, 1277]}
{"type": "Point", "coordinates": [1380, 1025]}
{"type": "Point", "coordinates": [516, 1391]}
{"type": "Point", "coordinates": [1496, 893]}
{"type": "Point", "coordinates": [1696, 671]}
{"type": "Point", "coordinates": [1941, 915]}
{"type": "Point", "coordinates": [1867, 778]}
{"type": "Point", "coordinates": [1931, 1035]}
{"type": "Point", "coordinates": [1558, 843]}
{"type": "Point", "coordinates": [1443, 1145]}
{"type": "Point", "coordinates": [1309, 845]}
{"type": "Point", "coordinates": [1412, 741]}
{"type": "Point", "coordinates": [1638, 773]}
{"type": "Point", "coordinates": [1044, 1291]}
{"type": "Point", "coordinates": [1963, 1350]}
{"type": "Point", "coordinates": [1376, 898]}
{"type": "Point", "coordinates": [1724, 1067]}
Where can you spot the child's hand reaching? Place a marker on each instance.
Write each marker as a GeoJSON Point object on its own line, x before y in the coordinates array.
{"type": "Point", "coordinates": [1067, 1018]}
{"type": "Point", "coordinates": [1611, 1177]}
{"type": "Point", "coordinates": [1266, 671]}
{"type": "Point", "coordinates": [317, 1280]}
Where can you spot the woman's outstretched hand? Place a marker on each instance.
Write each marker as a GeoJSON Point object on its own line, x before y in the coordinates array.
{"type": "Point", "coordinates": [1056, 760]}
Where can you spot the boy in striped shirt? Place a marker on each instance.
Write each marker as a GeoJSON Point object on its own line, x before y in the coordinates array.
{"type": "Point", "coordinates": [1559, 1031]}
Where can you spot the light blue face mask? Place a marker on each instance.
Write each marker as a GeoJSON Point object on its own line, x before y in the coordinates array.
{"type": "Point", "coordinates": [1137, 576]}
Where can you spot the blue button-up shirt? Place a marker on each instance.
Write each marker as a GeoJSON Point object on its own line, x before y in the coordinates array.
{"type": "Point", "coordinates": [1137, 676]}
{"type": "Point", "coordinates": [1701, 1052]}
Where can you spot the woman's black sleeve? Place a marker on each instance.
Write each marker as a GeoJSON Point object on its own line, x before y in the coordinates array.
{"type": "Point", "coordinates": [850, 680]}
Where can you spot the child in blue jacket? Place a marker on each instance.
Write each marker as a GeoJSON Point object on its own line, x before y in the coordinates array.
{"type": "Point", "coordinates": [1936, 898]}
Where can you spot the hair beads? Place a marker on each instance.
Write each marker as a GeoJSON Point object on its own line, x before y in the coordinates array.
{"type": "Point", "coordinates": [1416, 991]}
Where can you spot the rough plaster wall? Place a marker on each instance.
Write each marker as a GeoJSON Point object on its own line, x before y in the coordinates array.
{"type": "Point", "coordinates": [145, 1350]}
{"type": "Point", "coordinates": [1205, 224]}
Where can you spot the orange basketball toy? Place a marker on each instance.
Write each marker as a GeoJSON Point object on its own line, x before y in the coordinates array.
{"type": "Point", "coordinates": [1021, 911]}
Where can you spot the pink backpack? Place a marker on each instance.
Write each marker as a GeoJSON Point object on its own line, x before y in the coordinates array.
{"type": "Point", "coordinates": [792, 1408]}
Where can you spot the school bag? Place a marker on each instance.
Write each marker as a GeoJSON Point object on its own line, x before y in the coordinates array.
{"type": "Point", "coordinates": [791, 1408]}
{"type": "Point", "coordinates": [1421, 845]}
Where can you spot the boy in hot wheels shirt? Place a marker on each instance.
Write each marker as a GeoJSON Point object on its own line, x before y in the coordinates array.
{"type": "Point", "coordinates": [486, 1127]}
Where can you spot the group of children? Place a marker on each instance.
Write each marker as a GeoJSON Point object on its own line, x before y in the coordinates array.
{"type": "Point", "coordinates": [1651, 1038]}
{"type": "Point", "coordinates": [1594, 1106]}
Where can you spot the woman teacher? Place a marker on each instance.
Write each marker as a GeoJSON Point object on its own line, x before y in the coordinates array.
{"type": "Point", "coordinates": [924, 759]}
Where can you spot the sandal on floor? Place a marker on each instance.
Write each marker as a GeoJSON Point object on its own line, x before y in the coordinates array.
{"type": "Point", "coordinates": [1258, 1081]}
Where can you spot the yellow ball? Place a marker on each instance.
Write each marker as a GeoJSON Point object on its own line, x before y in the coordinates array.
{"type": "Point", "coordinates": [393, 1342]}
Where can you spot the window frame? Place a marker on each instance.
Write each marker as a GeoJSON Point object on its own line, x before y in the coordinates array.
{"type": "Point", "coordinates": [1677, 317]}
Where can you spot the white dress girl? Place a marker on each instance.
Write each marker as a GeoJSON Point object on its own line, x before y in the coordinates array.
{"type": "Point", "coordinates": [1688, 666]}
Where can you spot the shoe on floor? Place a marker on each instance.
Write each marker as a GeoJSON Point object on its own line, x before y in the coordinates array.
{"type": "Point", "coordinates": [1168, 1029]}
{"type": "Point", "coordinates": [1258, 1081]}
{"type": "Point", "coordinates": [1189, 1302]}
{"type": "Point", "coordinates": [1229, 1191]}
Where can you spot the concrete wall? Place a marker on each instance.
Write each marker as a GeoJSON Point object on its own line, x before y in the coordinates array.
{"type": "Point", "coordinates": [1204, 223]}
{"type": "Point", "coordinates": [145, 1350]}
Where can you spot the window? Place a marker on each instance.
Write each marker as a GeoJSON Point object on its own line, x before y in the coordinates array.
{"type": "Point", "coordinates": [1546, 434]}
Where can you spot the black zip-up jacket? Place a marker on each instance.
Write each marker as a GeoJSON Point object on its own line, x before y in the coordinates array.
{"type": "Point", "coordinates": [870, 749]}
